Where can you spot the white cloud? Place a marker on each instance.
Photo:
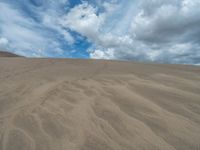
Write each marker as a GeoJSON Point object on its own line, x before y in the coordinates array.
{"type": "Point", "coordinates": [99, 54]}
{"type": "Point", "coordinates": [84, 20]}
{"type": "Point", "coordinates": [51, 18]}
{"type": "Point", "coordinates": [154, 30]}
{"type": "Point", "coordinates": [25, 36]}
{"type": "Point", "coordinates": [3, 43]}
{"type": "Point", "coordinates": [159, 30]}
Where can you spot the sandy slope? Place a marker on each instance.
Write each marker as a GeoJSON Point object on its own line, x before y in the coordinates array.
{"type": "Point", "coordinates": [51, 104]}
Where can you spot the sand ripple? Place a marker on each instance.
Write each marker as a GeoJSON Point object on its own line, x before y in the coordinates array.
{"type": "Point", "coordinates": [98, 105]}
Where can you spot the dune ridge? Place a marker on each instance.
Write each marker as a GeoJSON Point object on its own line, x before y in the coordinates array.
{"type": "Point", "coordinates": [7, 54]}
{"type": "Point", "coordinates": [59, 104]}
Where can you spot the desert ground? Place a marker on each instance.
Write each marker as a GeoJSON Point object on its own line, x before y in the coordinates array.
{"type": "Point", "coordinates": [72, 104]}
{"type": "Point", "coordinates": [8, 54]}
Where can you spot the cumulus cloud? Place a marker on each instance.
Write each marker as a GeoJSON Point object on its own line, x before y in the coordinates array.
{"type": "Point", "coordinates": [84, 20]}
{"type": "Point", "coordinates": [155, 30]}
{"type": "Point", "coordinates": [170, 28]}
{"type": "Point", "coordinates": [32, 36]}
{"type": "Point", "coordinates": [169, 21]}
{"type": "Point", "coordinates": [164, 31]}
{"type": "Point", "coordinates": [3, 43]}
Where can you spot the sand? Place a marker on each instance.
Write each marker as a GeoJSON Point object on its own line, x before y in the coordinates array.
{"type": "Point", "coordinates": [69, 104]}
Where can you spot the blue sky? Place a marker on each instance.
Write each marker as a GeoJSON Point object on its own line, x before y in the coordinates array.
{"type": "Point", "coordinates": [165, 31]}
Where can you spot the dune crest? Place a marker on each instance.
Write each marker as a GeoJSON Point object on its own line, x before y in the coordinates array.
{"type": "Point", "coordinates": [7, 54]}
{"type": "Point", "coordinates": [59, 104]}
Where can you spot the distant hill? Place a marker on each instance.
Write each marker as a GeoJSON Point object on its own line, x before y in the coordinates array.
{"type": "Point", "coordinates": [7, 54]}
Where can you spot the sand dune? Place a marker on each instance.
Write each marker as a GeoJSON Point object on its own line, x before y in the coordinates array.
{"type": "Point", "coordinates": [7, 54]}
{"type": "Point", "coordinates": [66, 104]}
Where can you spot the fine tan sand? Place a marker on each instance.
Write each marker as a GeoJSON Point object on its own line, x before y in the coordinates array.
{"type": "Point", "coordinates": [69, 104]}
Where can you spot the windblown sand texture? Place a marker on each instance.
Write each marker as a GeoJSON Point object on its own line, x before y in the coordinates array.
{"type": "Point", "coordinates": [66, 104]}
